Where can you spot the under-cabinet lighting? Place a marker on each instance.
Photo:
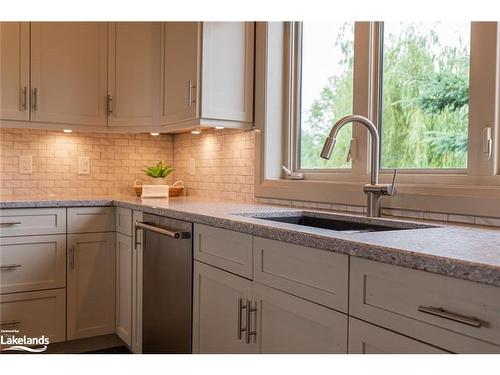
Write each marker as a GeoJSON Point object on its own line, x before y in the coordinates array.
{"type": "Point", "coordinates": [196, 131]}
{"type": "Point", "coordinates": [154, 134]}
{"type": "Point", "coordinates": [219, 127]}
{"type": "Point", "coordinates": [67, 130]}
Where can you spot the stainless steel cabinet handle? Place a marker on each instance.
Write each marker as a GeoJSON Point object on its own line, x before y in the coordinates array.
{"type": "Point", "coordinates": [11, 223]}
{"type": "Point", "coordinates": [10, 323]}
{"type": "Point", "coordinates": [442, 313]}
{"type": "Point", "coordinates": [190, 93]}
{"type": "Point", "coordinates": [250, 332]}
{"type": "Point", "coordinates": [34, 100]}
{"type": "Point", "coordinates": [173, 233]}
{"type": "Point", "coordinates": [241, 307]}
{"type": "Point", "coordinates": [24, 98]}
{"type": "Point", "coordinates": [72, 257]}
{"type": "Point", "coordinates": [10, 266]}
{"type": "Point", "coordinates": [109, 104]}
{"type": "Point", "coordinates": [136, 236]}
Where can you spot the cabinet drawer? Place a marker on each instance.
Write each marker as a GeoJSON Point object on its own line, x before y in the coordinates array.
{"type": "Point", "coordinates": [32, 263]}
{"type": "Point", "coordinates": [316, 275]}
{"type": "Point", "coordinates": [35, 313]}
{"type": "Point", "coordinates": [365, 338]}
{"type": "Point", "coordinates": [32, 221]}
{"type": "Point", "coordinates": [91, 219]}
{"type": "Point", "coordinates": [124, 220]}
{"type": "Point", "coordinates": [231, 251]}
{"type": "Point", "coordinates": [394, 297]}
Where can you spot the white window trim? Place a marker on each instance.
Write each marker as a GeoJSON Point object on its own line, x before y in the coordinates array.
{"type": "Point", "coordinates": [477, 192]}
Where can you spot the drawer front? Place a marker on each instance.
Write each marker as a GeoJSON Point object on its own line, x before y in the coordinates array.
{"type": "Point", "coordinates": [35, 313]}
{"type": "Point", "coordinates": [32, 263]}
{"type": "Point", "coordinates": [32, 221]}
{"type": "Point", "coordinates": [316, 275]}
{"type": "Point", "coordinates": [394, 297]}
{"type": "Point", "coordinates": [231, 251]}
{"type": "Point", "coordinates": [124, 220]}
{"type": "Point", "coordinates": [91, 219]}
{"type": "Point", "coordinates": [365, 338]}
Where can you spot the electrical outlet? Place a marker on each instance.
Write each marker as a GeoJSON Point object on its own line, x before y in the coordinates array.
{"type": "Point", "coordinates": [83, 165]}
{"type": "Point", "coordinates": [192, 166]}
{"type": "Point", "coordinates": [25, 164]}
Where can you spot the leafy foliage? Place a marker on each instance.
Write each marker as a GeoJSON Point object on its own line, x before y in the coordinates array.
{"type": "Point", "coordinates": [160, 170]}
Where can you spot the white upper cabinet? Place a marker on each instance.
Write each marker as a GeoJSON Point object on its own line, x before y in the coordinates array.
{"type": "Point", "coordinates": [68, 72]}
{"type": "Point", "coordinates": [133, 73]}
{"type": "Point", "coordinates": [180, 71]}
{"type": "Point", "coordinates": [228, 60]}
{"type": "Point", "coordinates": [14, 70]}
{"type": "Point", "coordinates": [207, 74]}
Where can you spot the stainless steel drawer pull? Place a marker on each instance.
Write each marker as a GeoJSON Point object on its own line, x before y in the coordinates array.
{"type": "Point", "coordinates": [72, 257]}
{"type": "Point", "coordinates": [241, 307]}
{"type": "Point", "coordinates": [163, 230]}
{"type": "Point", "coordinates": [24, 98]}
{"type": "Point", "coordinates": [250, 332]}
{"type": "Point", "coordinates": [442, 313]}
{"type": "Point", "coordinates": [34, 102]}
{"type": "Point", "coordinates": [10, 266]}
{"type": "Point", "coordinates": [10, 323]}
{"type": "Point", "coordinates": [10, 223]}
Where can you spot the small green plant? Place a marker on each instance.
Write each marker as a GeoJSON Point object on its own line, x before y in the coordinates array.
{"type": "Point", "coordinates": [160, 170]}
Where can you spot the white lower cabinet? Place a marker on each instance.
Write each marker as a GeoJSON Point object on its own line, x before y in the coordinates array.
{"type": "Point", "coordinates": [227, 307]}
{"type": "Point", "coordinates": [124, 268]}
{"type": "Point", "coordinates": [366, 338]}
{"type": "Point", "coordinates": [91, 285]}
{"type": "Point", "coordinates": [287, 324]}
{"type": "Point", "coordinates": [35, 314]}
{"type": "Point", "coordinates": [216, 307]}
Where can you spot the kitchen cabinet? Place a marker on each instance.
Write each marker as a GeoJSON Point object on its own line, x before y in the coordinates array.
{"type": "Point", "coordinates": [133, 73]}
{"type": "Point", "coordinates": [14, 70]}
{"type": "Point", "coordinates": [68, 72]}
{"type": "Point", "coordinates": [287, 324]}
{"type": "Point", "coordinates": [91, 285]}
{"type": "Point", "coordinates": [218, 317]}
{"type": "Point", "coordinates": [180, 71]}
{"type": "Point", "coordinates": [207, 74]}
{"type": "Point", "coordinates": [366, 338]}
{"type": "Point", "coordinates": [124, 267]}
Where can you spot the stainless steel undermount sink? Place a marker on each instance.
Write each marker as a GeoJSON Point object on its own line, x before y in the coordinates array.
{"type": "Point", "coordinates": [336, 222]}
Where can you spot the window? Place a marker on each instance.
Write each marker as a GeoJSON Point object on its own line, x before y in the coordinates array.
{"type": "Point", "coordinates": [325, 57]}
{"type": "Point", "coordinates": [425, 95]}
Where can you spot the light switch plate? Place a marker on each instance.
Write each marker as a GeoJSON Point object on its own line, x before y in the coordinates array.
{"type": "Point", "coordinates": [83, 165]}
{"type": "Point", "coordinates": [192, 166]}
{"type": "Point", "coordinates": [25, 164]}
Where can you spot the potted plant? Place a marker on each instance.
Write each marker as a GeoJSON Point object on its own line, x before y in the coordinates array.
{"type": "Point", "coordinates": [159, 172]}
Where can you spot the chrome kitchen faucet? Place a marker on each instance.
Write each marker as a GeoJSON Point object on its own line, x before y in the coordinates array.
{"type": "Point", "coordinates": [373, 190]}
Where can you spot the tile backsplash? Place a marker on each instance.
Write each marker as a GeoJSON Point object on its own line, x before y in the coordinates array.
{"type": "Point", "coordinates": [223, 161]}
{"type": "Point", "coordinates": [116, 160]}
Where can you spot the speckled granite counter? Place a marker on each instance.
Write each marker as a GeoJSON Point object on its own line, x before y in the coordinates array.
{"type": "Point", "coordinates": [469, 253]}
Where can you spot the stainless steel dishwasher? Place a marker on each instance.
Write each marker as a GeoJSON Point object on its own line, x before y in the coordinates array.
{"type": "Point", "coordinates": [167, 284]}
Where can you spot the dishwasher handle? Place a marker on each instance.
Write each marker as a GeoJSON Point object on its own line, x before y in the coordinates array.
{"type": "Point", "coordinates": [169, 232]}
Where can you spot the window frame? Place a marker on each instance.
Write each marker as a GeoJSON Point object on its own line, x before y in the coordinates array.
{"type": "Point", "coordinates": [368, 45]}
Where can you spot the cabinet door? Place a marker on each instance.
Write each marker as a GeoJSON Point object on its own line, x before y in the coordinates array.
{"type": "Point", "coordinates": [288, 324]}
{"type": "Point", "coordinates": [137, 284]}
{"type": "Point", "coordinates": [124, 288]}
{"type": "Point", "coordinates": [216, 296]}
{"type": "Point", "coordinates": [14, 70]}
{"type": "Point", "coordinates": [228, 61]}
{"type": "Point", "coordinates": [365, 338]}
{"type": "Point", "coordinates": [180, 71]}
{"type": "Point", "coordinates": [133, 71]}
{"type": "Point", "coordinates": [68, 72]}
{"type": "Point", "coordinates": [91, 285]}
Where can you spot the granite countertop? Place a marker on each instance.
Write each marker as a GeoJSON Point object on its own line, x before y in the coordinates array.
{"type": "Point", "coordinates": [469, 253]}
